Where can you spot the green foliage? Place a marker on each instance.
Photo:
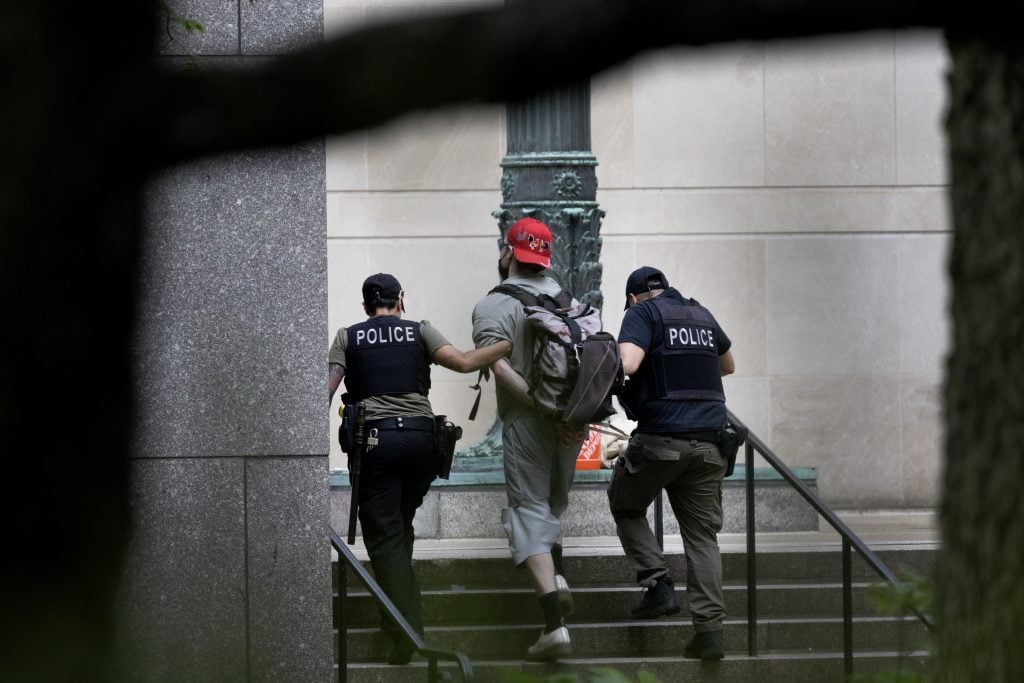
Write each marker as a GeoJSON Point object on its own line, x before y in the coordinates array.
{"type": "Point", "coordinates": [914, 595]}
{"type": "Point", "coordinates": [190, 26]}
{"type": "Point", "coordinates": [598, 674]}
{"type": "Point", "coordinates": [897, 676]}
{"type": "Point", "coordinates": [172, 18]}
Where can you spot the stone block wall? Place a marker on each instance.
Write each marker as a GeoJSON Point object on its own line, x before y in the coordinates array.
{"type": "Point", "coordinates": [798, 189]}
{"type": "Point", "coordinates": [227, 573]}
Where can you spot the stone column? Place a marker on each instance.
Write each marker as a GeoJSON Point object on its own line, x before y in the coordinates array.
{"type": "Point", "coordinates": [549, 174]}
{"type": "Point", "coordinates": [227, 575]}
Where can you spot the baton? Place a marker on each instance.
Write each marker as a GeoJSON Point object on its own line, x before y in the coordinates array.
{"type": "Point", "coordinates": [355, 464]}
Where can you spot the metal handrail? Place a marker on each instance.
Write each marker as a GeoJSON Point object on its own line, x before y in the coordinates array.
{"type": "Point", "coordinates": [346, 557]}
{"type": "Point", "coordinates": [850, 540]}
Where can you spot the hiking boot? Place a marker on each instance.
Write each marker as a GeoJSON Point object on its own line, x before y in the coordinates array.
{"type": "Point", "coordinates": [550, 646]}
{"type": "Point", "coordinates": [706, 645]}
{"type": "Point", "coordinates": [659, 600]}
{"type": "Point", "coordinates": [564, 595]}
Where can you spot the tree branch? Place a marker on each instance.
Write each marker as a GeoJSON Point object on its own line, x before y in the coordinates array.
{"type": "Point", "coordinates": [491, 55]}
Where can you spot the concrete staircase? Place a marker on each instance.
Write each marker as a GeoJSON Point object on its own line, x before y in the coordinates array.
{"type": "Point", "coordinates": [476, 602]}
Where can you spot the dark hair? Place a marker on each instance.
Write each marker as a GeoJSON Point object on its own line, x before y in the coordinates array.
{"type": "Point", "coordinates": [531, 267]}
{"type": "Point", "coordinates": [374, 306]}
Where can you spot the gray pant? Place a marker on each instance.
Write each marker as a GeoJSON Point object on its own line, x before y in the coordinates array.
{"type": "Point", "coordinates": [691, 473]}
{"type": "Point", "coordinates": [538, 474]}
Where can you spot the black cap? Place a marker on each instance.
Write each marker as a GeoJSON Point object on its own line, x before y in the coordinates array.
{"type": "Point", "coordinates": [381, 287]}
{"type": "Point", "coordinates": [644, 279]}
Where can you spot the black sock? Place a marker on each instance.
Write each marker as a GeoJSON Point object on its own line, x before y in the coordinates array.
{"type": "Point", "coordinates": [556, 557]}
{"type": "Point", "coordinates": [552, 612]}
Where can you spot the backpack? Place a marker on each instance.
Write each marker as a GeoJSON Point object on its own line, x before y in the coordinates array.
{"type": "Point", "coordinates": [576, 366]}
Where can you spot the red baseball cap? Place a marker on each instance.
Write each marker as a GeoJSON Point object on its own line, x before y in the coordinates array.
{"type": "Point", "coordinates": [530, 241]}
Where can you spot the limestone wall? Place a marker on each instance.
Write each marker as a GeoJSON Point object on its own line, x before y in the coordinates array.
{"type": "Point", "coordinates": [798, 189]}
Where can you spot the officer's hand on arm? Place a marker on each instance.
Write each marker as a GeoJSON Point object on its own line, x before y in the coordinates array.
{"type": "Point", "coordinates": [727, 363]}
{"type": "Point", "coordinates": [632, 356]}
{"type": "Point", "coordinates": [512, 381]}
{"type": "Point", "coordinates": [452, 358]}
{"type": "Point", "coordinates": [334, 380]}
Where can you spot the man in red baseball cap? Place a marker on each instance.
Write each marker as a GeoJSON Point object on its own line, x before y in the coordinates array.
{"type": "Point", "coordinates": [530, 241]}
{"type": "Point", "coordinates": [539, 452]}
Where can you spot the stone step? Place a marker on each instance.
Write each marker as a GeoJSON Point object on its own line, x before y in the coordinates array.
{"type": "Point", "coordinates": [791, 667]}
{"type": "Point", "coordinates": [806, 564]}
{"type": "Point", "coordinates": [663, 637]}
{"type": "Point", "coordinates": [471, 607]}
{"type": "Point", "coordinates": [476, 602]}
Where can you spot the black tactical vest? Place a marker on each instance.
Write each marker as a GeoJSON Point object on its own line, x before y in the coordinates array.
{"type": "Point", "coordinates": [683, 364]}
{"type": "Point", "coordinates": [386, 355]}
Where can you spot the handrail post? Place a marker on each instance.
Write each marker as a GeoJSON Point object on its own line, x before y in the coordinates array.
{"type": "Point", "coordinates": [388, 608]}
{"type": "Point", "coordinates": [847, 611]}
{"type": "Point", "coordinates": [751, 553]}
{"type": "Point", "coordinates": [659, 522]}
{"type": "Point", "coordinates": [342, 636]}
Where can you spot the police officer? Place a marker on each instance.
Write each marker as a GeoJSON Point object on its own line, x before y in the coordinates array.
{"type": "Point", "coordinates": [675, 355]}
{"type": "Point", "coordinates": [385, 363]}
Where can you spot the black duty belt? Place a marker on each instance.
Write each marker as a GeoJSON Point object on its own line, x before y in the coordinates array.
{"type": "Point", "coordinates": [710, 437]}
{"type": "Point", "coordinates": [417, 423]}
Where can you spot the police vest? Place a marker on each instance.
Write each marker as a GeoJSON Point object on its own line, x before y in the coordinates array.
{"type": "Point", "coordinates": [386, 355]}
{"type": "Point", "coordinates": [683, 365]}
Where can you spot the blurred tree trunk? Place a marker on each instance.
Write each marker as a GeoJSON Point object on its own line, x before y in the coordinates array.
{"type": "Point", "coordinates": [980, 591]}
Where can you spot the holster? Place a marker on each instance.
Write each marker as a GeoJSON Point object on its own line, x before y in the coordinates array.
{"type": "Point", "coordinates": [730, 438]}
{"type": "Point", "coordinates": [445, 436]}
{"type": "Point", "coordinates": [355, 466]}
{"type": "Point", "coordinates": [347, 430]}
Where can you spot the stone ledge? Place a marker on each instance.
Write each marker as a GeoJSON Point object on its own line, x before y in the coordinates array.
{"type": "Point", "coordinates": [469, 505]}
{"type": "Point", "coordinates": [808, 475]}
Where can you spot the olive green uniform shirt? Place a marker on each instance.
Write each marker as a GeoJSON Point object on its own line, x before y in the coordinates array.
{"type": "Point", "coordinates": [393, 405]}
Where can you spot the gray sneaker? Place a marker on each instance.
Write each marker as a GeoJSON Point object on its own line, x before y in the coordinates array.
{"type": "Point", "coordinates": [550, 646]}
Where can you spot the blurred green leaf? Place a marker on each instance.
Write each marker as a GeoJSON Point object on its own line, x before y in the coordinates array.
{"type": "Point", "coordinates": [190, 25]}
{"type": "Point", "coordinates": [913, 594]}
{"type": "Point", "coordinates": [600, 674]}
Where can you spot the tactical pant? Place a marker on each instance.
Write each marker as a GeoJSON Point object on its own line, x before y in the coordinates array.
{"type": "Point", "coordinates": [538, 474]}
{"type": "Point", "coordinates": [691, 473]}
{"type": "Point", "coordinates": [396, 474]}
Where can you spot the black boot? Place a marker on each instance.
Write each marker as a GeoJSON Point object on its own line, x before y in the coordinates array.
{"type": "Point", "coordinates": [401, 653]}
{"type": "Point", "coordinates": [706, 645]}
{"type": "Point", "coordinates": [660, 599]}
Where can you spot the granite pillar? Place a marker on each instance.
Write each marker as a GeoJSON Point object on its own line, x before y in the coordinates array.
{"type": "Point", "coordinates": [228, 567]}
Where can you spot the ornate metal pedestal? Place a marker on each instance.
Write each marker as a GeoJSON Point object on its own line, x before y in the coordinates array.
{"type": "Point", "coordinates": [549, 174]}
